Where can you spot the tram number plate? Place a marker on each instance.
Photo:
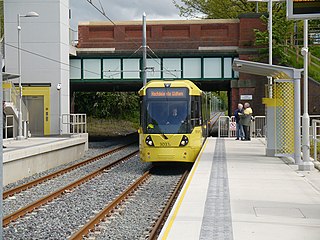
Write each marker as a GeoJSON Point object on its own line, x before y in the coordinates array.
{"type": "Point", "coordinates": [165, 144]}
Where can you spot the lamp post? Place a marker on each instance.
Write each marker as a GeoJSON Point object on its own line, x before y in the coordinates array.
{"type": "Point", "coordinates": [29, 14]}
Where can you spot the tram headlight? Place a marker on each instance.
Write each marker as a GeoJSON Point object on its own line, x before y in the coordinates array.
{"type": "Point", "coordinates": [149, 141]}
{"type": "Point", "coordinates": [184, 141]}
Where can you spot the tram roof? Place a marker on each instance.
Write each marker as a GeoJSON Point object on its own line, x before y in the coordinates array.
{"type": "Point", "coordinates": [193, 88]}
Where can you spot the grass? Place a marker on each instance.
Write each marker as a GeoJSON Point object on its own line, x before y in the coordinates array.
{"type": "Point", "coordinates": [110, 127]}
{"type": "Point", "coordinates": [314, 66]}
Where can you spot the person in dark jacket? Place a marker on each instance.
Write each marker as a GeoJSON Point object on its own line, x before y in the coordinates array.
{"type": "Point", "coordinates": [245, 120]}
{"type": "Point", "coordinates": [239, 128]}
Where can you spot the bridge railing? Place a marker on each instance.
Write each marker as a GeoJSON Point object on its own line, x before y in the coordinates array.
{"type": "Point", "coordinates": [227, 127]}
{"type": "Point", "coordinates": [315, 137]}
{"type": "Point", "coordinates": [75, 123]}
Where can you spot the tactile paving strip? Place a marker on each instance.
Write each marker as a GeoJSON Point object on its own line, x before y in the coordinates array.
{"type": "Point", "coordinates": [217, 222]}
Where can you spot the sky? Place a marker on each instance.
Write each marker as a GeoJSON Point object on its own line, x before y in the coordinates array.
{"type": "Point", "coordinates": [122, 10]}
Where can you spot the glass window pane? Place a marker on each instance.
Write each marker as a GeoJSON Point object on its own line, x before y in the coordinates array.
{"type": "Point", "coordinates": [227, 69]}
{"type": "Point", "coordinates": [131, 68]}
{"type": "Point", "coordinates": [75, 69]}
{"type": "Point", "coordinates": [153, 73]}
{"type": "Point", "coordinates": [192, 67]}
{"type": "Point", "coordinates": [236, 74]}
{"type": "Point", "coordinates": [111, 69]}
{"type": "Point", "coordinates": [212, 67]}
{"type": "Point", "coordinates": [91, 68]}
{"type": "Point", "coordinates": [171, 68]}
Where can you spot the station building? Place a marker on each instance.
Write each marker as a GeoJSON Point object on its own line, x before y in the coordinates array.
{"type": "Point", "coordinates": [44, 62]}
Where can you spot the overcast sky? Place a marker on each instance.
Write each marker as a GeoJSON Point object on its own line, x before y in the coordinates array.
{"type": "Point", "coordinates": [122, 10]}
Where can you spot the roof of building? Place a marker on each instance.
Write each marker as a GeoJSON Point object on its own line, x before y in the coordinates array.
{"type": "Point", "coordinates": [162, 22]}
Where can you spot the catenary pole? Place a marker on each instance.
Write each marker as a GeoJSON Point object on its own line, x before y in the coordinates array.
{"type": "Point", "coordinates": [270, 45]}
{"type": "Point", "coordinates": [306, 165]}
{"type": "Point", "coordinates": [144, 48]}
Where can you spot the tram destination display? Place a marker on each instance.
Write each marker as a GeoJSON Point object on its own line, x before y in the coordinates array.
{"type": "Point", "coordinates": [167, 92]}
{"type": "Point", "coordinates": [303, 9]}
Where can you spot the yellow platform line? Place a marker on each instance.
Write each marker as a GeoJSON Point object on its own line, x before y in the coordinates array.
{"type": "Point", "coordinates": [173, 217]}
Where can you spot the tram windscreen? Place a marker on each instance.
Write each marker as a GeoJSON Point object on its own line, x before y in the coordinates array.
{"type": "Point", "coordinates": [166, 111]}
{"type": "Point", "coordinates": [167, 117]}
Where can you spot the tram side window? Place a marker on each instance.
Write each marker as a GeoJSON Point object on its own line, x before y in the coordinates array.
{"type": "Point", "coordinates": [195, 111]}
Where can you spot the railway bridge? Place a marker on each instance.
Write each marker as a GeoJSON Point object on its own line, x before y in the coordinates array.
{"type": "Point", "coordinates": [107, 56]}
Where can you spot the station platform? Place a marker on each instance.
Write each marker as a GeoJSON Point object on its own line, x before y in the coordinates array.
{"type": "Point", "coordinates": [23, 158]}
{"type": "Point", "coordinates": [236, 192]}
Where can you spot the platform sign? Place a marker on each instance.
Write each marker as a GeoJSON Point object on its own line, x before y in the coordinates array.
{"type": "Point", "coordinates": [245, 97]}
{"type": "Point", "coordinates": [303, 9]}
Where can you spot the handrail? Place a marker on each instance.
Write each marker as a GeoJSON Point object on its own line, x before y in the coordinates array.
{"type": "Point", "coordinates": [10, 94]}
{"type": "Point", "coordinates": [228, 128]}
{"type": "Point", "coordinates": [315, 128]}
{"type": "Point", "coordinates": [301, 57]}
{"type": "Point", "coordinates": [75, 123]}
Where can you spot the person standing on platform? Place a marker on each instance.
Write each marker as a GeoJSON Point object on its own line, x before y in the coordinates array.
{"type": "Point", "coordinates": [239, 128]}
{"type": "Point", "coordinates": [245, 120]}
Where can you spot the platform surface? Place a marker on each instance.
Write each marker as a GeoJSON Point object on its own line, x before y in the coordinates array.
{"type": "Point", "coordinates": [23, 158]}
{"type": "Point", "coordinates": [236, 192]}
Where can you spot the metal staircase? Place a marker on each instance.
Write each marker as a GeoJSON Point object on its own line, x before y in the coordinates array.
{"type": "Point", "coordinates": [11, 106]}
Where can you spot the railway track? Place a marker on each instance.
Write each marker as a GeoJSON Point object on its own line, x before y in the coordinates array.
{"type": "Point", "coordinates": [40, 180]}
{"type": "Point", "coordinates": [109, 208]}
{"type": "Point", "coordinates": [93, 228]}
{"type": "Point", "coordinates": [35, 205]}
{"type": "Point", "coordinates": [166, 210]}
{"type": "Point", "coordinates": [213, 123]}
{"type": "Point", "coordinates": [73, 208]}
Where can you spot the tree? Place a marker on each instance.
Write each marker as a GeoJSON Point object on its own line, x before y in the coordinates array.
{"type": "Point", "coordinates": [107, 104]}
{"type": "Point", "coordinates": [214, 8]}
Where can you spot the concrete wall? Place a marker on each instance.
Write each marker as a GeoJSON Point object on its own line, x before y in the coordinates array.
{"type": "Point", "coordinates": [48, 36]}
{"type": "Point", "coordinates": [20, 162]}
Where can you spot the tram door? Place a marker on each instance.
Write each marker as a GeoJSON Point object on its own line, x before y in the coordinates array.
{"type": "Point", "coordinates": [35, 105]}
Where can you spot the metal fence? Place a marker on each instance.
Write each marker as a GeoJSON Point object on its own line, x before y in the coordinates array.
{"type": "Point", "coordinates": [315, 137]}
{"type": "Point", "coordinates": [227, 127]}
{"type": "Point", "coordinates": [75, 123]}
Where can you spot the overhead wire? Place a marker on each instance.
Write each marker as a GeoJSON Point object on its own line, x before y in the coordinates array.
{"type": "Point", "coordinates": [106, 16]}
{"type": "Point", "coordinates": [88, 71]}
{"type": "Point", "coordinates": [54, 60]}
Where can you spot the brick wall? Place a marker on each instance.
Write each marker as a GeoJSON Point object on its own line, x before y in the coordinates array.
{"type": "Point", "coordinates": [176, 35]}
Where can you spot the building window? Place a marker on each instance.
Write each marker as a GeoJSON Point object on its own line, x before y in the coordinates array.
{"type": "Point", "coordinates": [227, 68]}
{"type": "Point", "coordinates": [75, 69]}
{"type": "Point", "coordinates": [111, 68]}
{"type": "Point", "coordinates": [91, 68]}
{"type": "Point", "coordinates": [154, 67]}
{"type": "Point", "coordinates": [236, 74]}
{"type": "Point", "coordinates": [131, 68]}
{"type": "Point", "coordinates": [171, 68]}
{"type": "Point", "coordinates": [192, 67]}
{"type": "Point", "coordinates": [212, 67]}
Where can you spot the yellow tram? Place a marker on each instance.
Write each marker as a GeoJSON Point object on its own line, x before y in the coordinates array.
{"type": "Point", "coordinates": [172, 125]}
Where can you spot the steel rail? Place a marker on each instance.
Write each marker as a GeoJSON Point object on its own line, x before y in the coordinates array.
{"type": "Point", "coordinates": [166, 210]}
{"type": "Point", "coordinates": [31, 184]}
{"type": "Point", "coordinates": [29, 208]}
{"type": "Point", "coordinates": [85, 230]}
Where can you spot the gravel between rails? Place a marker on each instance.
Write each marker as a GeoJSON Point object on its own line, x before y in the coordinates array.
{"type": "Point", "coordinates": [63, 216]}
{"type": "Point", "coordinates": [24, 198]}
{"type": "Point", "coordinates": [134, 219]}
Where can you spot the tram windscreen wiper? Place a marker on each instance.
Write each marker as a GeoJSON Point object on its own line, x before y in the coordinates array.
{"type": "Point", "coordinates": [164, 136]}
